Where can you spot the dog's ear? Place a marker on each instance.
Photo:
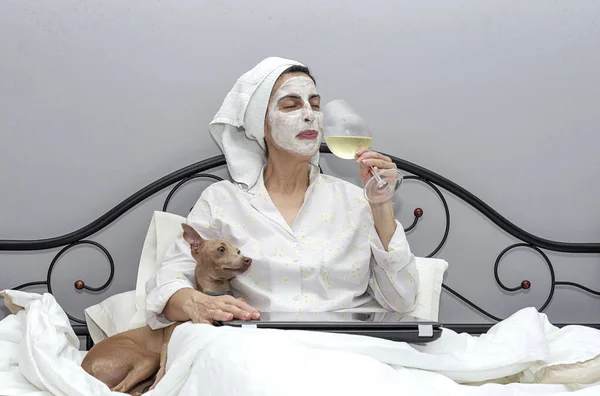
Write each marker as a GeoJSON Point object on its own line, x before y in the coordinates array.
{"type": "Point", "coordinates": [192, 237]}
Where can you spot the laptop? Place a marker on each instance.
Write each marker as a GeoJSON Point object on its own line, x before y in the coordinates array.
{"type": "Point", "coordinates": [388, 325]}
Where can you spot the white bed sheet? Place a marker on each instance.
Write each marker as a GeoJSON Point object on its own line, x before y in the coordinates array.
{"type": "Point", "coordinates": [40, 357]}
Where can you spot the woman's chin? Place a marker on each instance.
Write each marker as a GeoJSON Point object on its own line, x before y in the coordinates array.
{"type": "Point", "coordinates": [307, 148]}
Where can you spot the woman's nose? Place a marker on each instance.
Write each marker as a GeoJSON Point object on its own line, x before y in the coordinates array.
{"type": "Point", "coordinates": [309, 115]}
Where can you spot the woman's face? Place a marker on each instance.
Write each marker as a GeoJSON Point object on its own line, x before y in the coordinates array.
{"type": "Point", "coordinates": [293, 120]}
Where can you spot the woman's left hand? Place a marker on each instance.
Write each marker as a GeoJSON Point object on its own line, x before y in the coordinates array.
{"type": "Point", "coordinates": [368, 158]}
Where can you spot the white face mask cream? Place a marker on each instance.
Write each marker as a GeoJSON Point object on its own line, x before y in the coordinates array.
{"type": "Point", "coordinates": [300, 130]}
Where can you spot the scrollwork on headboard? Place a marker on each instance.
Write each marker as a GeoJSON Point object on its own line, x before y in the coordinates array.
{"type": "Point", "coordinates": [78, 284]}
{"type": "Point", "coordinates": [433, 180]}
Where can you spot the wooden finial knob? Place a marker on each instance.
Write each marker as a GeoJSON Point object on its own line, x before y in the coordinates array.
{"type": "Point", "coordinates": [418, 212]}
{"type": "Point", "coordinates": [79, 284]}
{"type": "Point", "coordinates": [525, 284]}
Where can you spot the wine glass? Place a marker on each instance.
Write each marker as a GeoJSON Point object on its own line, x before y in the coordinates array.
{"type": "Point", "coordinates": [345, 132]}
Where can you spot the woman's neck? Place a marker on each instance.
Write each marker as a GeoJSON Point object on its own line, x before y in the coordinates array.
{"type": "Point", "coordinates": [285, 176]}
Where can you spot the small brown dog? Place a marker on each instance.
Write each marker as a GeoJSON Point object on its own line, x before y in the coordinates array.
{"type": "Point", "coordinates": [131, 361]}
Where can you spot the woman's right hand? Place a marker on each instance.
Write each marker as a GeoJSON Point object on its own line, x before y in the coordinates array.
{"type": "Point", "coordinates": [201, 308]}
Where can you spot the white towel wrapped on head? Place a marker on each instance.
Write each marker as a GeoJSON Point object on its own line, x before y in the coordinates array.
{"type": "Point", "coordinates": [238, 126]}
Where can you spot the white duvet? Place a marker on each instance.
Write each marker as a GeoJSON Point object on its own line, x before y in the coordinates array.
{"type": "Point", "coordinates": [39, 356]}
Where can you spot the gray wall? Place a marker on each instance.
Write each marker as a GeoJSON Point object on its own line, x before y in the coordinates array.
{"type": "Point", "coordinates": [98, 99]}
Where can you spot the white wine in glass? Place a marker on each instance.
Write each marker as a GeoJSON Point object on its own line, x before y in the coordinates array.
{"type": "Point", "coordinates": [346, 146]}
{"type": "Point", "coordinates": [345, 133]}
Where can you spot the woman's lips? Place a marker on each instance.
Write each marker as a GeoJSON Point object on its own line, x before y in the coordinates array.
{"type": "Point", "coordinates": [309, 134]}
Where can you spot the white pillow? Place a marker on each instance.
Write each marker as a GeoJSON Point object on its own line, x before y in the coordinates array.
{"type": "Point", "coordinates": [113, 315]}
{"type": "Point", "coordinates": [431, 274]}
{"type": "Point", "coordinates": [126, 311]}
{"type": "Point", "coordinates": [164, 228]}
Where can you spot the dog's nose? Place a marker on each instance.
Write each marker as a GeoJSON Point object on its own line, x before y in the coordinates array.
{"type": "Point", "coordinates": [247, 260]}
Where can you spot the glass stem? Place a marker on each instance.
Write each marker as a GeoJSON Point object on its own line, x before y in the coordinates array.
{"type": "Point", "coordinates": [375, 174]}
{"type": "Point", "coordinates": [381, 184]}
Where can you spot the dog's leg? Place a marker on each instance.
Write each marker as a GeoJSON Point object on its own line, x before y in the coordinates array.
{"type": "Point", "coordinates": [163, 365]}
{"type": "Point", "coordinates": [142, 369]}
{"type": "Point", "coordinates": [142, 387]}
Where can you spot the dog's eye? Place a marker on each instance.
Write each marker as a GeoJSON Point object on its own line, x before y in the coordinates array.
{"type": "Point", "coordinates": [239, 252]}
{"type": "Point", "coordinates": [221, 249]}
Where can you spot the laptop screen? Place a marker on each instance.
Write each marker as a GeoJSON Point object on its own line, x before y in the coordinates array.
{"type": "Point", "coordinates": [389, 325]}
{"type": "Point", "coordinates": [339, 317]}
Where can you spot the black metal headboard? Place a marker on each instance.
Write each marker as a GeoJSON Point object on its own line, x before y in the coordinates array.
{"type": "Point", "coordinates": [431, 179]}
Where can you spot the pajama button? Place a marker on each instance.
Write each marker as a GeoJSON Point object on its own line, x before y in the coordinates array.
{"type": "Point", "coordinates": [296, 297]}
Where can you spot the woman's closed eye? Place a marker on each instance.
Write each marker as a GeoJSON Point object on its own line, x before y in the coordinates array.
{"type": "Point", "coordinates": [290, 102]}
{"type": "Point", "coordinates": [290, 105]}
{"type": "Point", "coordinates": [315, 102]}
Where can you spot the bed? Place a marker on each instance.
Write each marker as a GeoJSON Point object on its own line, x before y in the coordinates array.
{"type": "Point", "coordinates": [545, 359]}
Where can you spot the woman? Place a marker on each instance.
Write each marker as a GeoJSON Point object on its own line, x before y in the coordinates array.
{"type": "Point", "coordinates": [316, 243]}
